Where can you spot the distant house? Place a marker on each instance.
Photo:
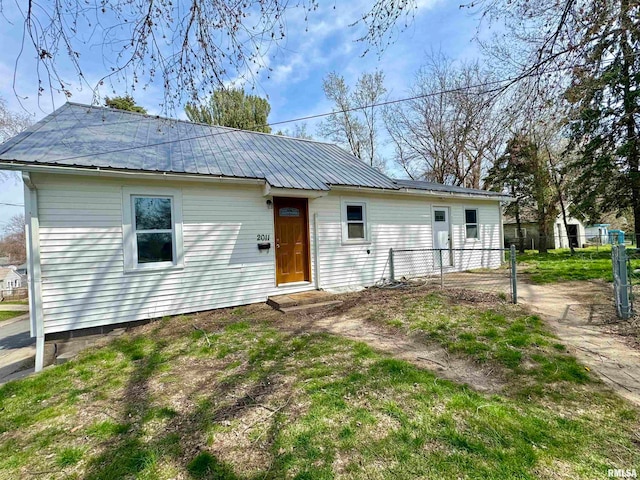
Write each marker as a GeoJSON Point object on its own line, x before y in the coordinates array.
{"type": "Point", "coordinates": [597, 233]}
{"type": "Point", "coordinates": [574, 234]}
{"type": "Point", "coordinates": [131, 217]}
{"type": "Point", "coordinates": [10, 279]}
{"type": "Point", "coordinates": [4, 261]}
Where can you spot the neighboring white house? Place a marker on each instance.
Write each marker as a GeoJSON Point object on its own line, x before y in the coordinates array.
{"type": "Point", "coordinates": [132, 217]}
{"type": "Point", "coordinates": [597, 233]}
{"type": "Point", "coordinates": [10, 280]}
{"type": "Point", "coordinates": [576, 234]}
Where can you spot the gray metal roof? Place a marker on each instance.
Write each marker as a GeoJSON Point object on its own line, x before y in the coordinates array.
{"type": "Point", "coordinates": [83, 136]}
{"type": "Point", "coordinates": [77, 135]}
{"type": "Point", "coordinates": [438, 187]}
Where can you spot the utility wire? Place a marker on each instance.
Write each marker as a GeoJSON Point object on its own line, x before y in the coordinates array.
{"type": "Point", "coordinates": [12, 204]}
{"type": "Point", "coordinates": [507, 81]}
{"type": "Point", "coordinates": [308, 117]}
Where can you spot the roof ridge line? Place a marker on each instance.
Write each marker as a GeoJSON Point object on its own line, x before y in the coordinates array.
{"type": "Point", "coordinates": [189, 122]}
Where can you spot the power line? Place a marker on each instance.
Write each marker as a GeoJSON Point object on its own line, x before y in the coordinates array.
{"type": "Point", "coordinates": [299, 119]}
{"type": "Point", "coordinates": [508, 81]}
{"type": "Point", "coordinates": [12, 204]}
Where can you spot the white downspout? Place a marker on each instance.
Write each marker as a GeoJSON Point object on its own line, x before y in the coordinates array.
{"type": "Point", "coordinates": [316, 250]}
{"type": "Point", "coordinates": [32, 225]}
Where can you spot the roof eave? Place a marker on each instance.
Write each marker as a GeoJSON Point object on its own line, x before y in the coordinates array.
{"type": "Point", "coordinates": [15, 165]}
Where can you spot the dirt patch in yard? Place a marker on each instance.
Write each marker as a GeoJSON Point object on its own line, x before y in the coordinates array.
{"type": "Point", "coordinates": [352, 320]}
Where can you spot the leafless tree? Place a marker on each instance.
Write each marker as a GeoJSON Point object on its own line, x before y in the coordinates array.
{"type": "Point", "coordinates": [536, 40]}
{"type": "Point", "coordinates": [11, 123]}
{"type": "Point", "coordinates": [299, 130]}
{"type": "Point", "coordinates": [355, 121]}
{"type": "Point", "coordinates": [13, 243]}
{"type": "Point", "coordinates": [452, 130]}
{"type": "Point", "coordinates": [190, 48]}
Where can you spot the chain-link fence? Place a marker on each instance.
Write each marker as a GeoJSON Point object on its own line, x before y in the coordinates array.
{"type": "Point", "coordinates": [490, 270]}
{"type": "Point", "coordinates": [16, 293]}
{"type": "Point", "coordinates": [534, 241]}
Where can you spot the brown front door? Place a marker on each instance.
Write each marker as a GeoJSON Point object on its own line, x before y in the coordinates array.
{"type": "Point", "coordinates": [292, 240]}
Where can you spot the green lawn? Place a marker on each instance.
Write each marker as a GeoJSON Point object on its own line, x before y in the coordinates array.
{"type": "Point", "coordinates": [15, 302]}
{"type": "Point", "coordinates": [242, 398]}
{"type": "Point", "coordinates": [560, 265]}
{"type": "Point", "coordinates": [9, 315]}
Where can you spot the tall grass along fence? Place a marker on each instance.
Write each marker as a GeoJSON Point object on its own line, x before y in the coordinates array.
{"type": "Point", "coordinates": [490, 270]}
{"type": "Point", "coordinates": [626, 279]}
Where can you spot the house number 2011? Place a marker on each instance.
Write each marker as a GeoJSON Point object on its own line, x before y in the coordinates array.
{"type": "Point", "coordinates": [263, 238]}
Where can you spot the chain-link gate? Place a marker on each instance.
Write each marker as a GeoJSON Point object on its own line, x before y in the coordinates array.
{"type": "Point", "coordinates": [491, 270]}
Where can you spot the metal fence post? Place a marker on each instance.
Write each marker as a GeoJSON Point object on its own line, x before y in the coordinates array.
{"type": "Point", "coordinates": [441, 270]}
{"type": "Point", "coordinates": [514, 275]}
{"type": "Point", "coordinates": [625, 310]}
{"type": "Point", "coordinates": [391, 267]}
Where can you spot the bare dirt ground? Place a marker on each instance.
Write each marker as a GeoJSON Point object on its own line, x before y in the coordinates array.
{"type": "Point", "coordinates": [582, 315]}
{"type": "Point", "coordinates": [349, 322]}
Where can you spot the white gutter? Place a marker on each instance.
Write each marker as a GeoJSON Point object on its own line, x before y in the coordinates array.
{"type": "Point", "coordinates": [102, 172]}
{"type": "Point", "coordinates": [34, 276]}
{"type": "Point", "coordinates": [443, 195]}
{"type": "Point", "coordinates": [269, 191]}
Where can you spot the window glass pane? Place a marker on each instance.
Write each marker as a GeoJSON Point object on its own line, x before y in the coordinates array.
{"type": "Point", "coordinates": [440, 216]}
{"type": "Point", "coordinates": [155, 247]}
{"type": "Point", "coordinates": [471, 216]}
{"type": "Point", "coordinates": [354, 213]}
{"type": "Point", "coordinates": [289, 212]}
{"type": "Point", "coordinates": [356, 230]}
{"type": "Point", "coordinates": [153, 213]}
{"type": "Point", "coordinates": [472, 231]}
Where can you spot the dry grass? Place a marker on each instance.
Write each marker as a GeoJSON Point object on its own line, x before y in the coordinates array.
{"type": "Point", "coordinates": [238, 394]}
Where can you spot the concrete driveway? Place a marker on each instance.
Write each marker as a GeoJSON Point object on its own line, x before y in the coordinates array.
{"type": "Point", "coordinates": [17, 348]}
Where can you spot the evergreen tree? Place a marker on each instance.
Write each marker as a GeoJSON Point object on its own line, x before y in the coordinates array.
{"type": "Point", "coordinates": [605, 95]}
{"type": "Point", "coordinates": [523, 172]}
{"type": "Point", "coordinates": [510, 174]}
{"type": "Point", "coordinates": [125, 102]}
{"type": "Point", "coordinates": [232, 108]}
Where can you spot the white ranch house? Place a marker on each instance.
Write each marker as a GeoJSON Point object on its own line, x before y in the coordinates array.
{"type": "Point", "coordinates": [10, 279]}
{"type": "Point", "coordinates": [133, 217]}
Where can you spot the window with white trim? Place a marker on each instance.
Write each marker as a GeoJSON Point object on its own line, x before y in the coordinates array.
{"type": "Point", "coordinates": [152, 228]}
{"type": "Point", "coordinates": [471, 224]}
{"type": "Point", "coordinates": [154, 232]}
{"type": "Point", "coordinates": [354, 215]}
{"type": "Point", "coordinates": [515, 232]}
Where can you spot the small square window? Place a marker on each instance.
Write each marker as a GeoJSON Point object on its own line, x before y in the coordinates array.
{"type": "Point", "coordinates": [355, 222]}
{"type": "Point", "coordinates": [440, 216]}
{"type": "Point", "coordinates": [471, 224]}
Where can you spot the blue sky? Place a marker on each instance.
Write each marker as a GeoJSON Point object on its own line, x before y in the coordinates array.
{"type": "Point", "coordinates": [294, 88]}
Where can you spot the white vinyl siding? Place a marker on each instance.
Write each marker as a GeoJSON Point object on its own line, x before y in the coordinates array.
{"type": "Point", "coordinates": [84, 282]}
{"type": "Point", "coordinates": [83, 275]}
